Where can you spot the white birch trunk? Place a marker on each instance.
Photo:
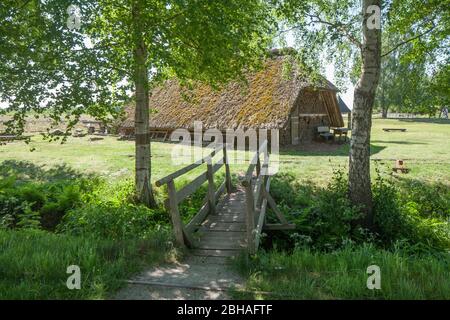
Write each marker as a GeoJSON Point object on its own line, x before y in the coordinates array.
{"type": "Point", "coordinates": [364, 97]}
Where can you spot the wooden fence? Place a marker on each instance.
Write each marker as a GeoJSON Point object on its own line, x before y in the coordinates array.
{"type": "Point", "coordinates": [183, 233]}
{"type": "Point", "coordinates": [258, 198]}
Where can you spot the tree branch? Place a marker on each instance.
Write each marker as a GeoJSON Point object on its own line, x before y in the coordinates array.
{"type": "Point", "coordinates": [338, 26]}
{"type": "Point", "coordinates": [409, 40]}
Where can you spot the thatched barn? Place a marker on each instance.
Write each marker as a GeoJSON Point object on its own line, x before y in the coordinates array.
{"type": "Point", "coordinates": [345, 110]}
{"type": "Point", "coordinates": [279, 96]}
{"type": "Point", "coordinates": [343, 106]}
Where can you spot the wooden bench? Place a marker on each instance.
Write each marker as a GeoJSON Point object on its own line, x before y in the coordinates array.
{"type": "Point", "coordinates": [394, 129]}
{"type": "Point", "coordinates": [339, 133]}
{"type": "Point", "coordinates": [325, 133]}
{"type": "Point", "coordinates": [7, 137]}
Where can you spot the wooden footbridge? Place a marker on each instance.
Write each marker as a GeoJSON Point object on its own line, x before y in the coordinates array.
{"type": "Point", "coordinates": [232, 218]}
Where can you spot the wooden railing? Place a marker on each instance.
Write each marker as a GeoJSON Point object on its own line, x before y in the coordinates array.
{"type": "Point", "coordinates": [183, 233]}
{"type": "Point", "coordinates": [257, 192]}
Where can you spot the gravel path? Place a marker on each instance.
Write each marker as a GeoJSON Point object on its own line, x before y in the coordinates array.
{"type": "Point", "coordinates": [195, 278]}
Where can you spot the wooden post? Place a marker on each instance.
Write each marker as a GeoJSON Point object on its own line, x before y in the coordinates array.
{"type": "Point", "coordinates": [349, 120]}
{"type": "Point", "coordinates": [227, 169]}
{"type": "Point", "coordinates": [174, 214]}
{"type": "Point", "coordinates": [258, 166]}
{"type": "Point", "coordinates": [250, 218]}
{"type": "Point", "coordinates": [211, 187]}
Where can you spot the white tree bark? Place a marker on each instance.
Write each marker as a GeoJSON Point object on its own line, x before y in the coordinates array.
{"type": "Point", "coordinates": [141, 119]}
{"type": "Point", "coordinates": [364, 97]}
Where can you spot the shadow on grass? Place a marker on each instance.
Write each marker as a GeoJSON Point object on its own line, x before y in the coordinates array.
{"type": "Point", "coordinates": [424, 120]}
{"type": "Point", "coordinates": [28, 171]}
{"type": "Point", "coordinates": [398, 142]}
{"type": "Point", "coordinates": [326, 150]}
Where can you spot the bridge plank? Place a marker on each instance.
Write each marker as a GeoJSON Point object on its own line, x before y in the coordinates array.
{"type": "Point", "coordinates": [215, 252]}
{"type": "Point", "coordinates": [220, 245]}
{"type": "Point", "coordinates": [223, 226]}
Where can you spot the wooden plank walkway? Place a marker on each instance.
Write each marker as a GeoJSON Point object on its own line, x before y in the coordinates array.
{"type": "Point", "coordinates": [223, 233]}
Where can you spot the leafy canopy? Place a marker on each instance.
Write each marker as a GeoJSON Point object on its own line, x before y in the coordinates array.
{"type": "Point", "coordinates": [48, 68]}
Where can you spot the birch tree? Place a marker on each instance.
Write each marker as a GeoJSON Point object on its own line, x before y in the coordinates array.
{"type": "Point", "coordinates": [348, 34]}
{"type": "Point", "coordinates": [118, 47]}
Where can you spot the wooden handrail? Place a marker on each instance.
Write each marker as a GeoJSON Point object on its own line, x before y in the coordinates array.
{"type": "Point", "coordinates": [188, 168]}
{"type": "Point", "coordinates": [253, 164]}
{"type": "Point", "coordinates": [183, 234]}
{"type": "Point", "coordinates": [258, 198]}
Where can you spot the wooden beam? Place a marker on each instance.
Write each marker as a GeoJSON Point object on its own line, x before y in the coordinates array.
{"type": "Point", "coordinates": [279, 226]}
{"type": "Point", "coordinates": [211, 187]}
{"type": "Point", "coordinates": [294, 130]}
{"type": "Point", "coordinates": [227, 169]}
{"type": "Point", "coordinates": [220, 191]}
{"type": "Point", "coordinates": [253, 163]}
{"type": "Point", "coordinates": [174, 214]}
{"type": "Point", "coordinates": [186, 169]}
{"type": "Point", "coordinates": [250, 218]}
{"type": "Point", "coordinates": [177, 173]}
{"type": "Point", "coordinates": [274, 207]}
{"type": "Point", "coordinates": [191, 187]}
{"type": "Point", "coordinates": [196, 221]}
{"type": "Point", "coordinates": [217, 167]}
{"type": "Point", "coordinates": [258, 190]}
{"type": "Point", "coordinates": [261, 219]}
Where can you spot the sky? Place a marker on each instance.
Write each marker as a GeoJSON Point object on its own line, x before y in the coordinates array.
{"type": "Point", "coordinates": [347, 96]}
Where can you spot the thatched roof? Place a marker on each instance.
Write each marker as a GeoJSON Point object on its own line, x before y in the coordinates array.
{"type": "Point", "coordinates": [266, 102]}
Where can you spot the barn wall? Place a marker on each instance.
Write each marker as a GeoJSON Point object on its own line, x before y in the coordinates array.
{"type": "Point", "coordinates": [309, 113]}
{"type": "Point", "coordinates": [330, 101]}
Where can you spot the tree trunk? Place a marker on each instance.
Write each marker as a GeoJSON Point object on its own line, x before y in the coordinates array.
{"type": "Point", "coordinates": [364, 97]}
{"type": "Point", "coordinates": [141, 118]}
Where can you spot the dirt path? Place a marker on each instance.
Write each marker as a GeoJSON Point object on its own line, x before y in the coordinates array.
{"type": "Point", "coordinates": [195, 278]}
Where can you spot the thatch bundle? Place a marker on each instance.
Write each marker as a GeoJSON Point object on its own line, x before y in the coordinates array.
{"type": "Point", "coordinates": [266, 101]}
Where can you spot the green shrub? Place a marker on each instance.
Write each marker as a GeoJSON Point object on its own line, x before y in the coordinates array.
{"type": "Point", "coordinates": [420, 226]}
{"type": "Point", "coordinates": [389, 219]}
{"type": "Point", "coordinates": [326, 220]}
{"type": "Point", "coordinates": [105, 220]}
{"type": "Point", "coordinates": [324, 217]}
{"type": "Point", "coordinates": [431, 201]}
{"type": "Point", "coordinates": [49, 201]}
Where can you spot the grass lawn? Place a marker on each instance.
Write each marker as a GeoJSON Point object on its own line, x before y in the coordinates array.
{"type": "Point", "coordinates": [343, 275]}
{"type": "Point", "coordinates": [33, 264]}
{"type": "Point", "coordinates": [425, 147]}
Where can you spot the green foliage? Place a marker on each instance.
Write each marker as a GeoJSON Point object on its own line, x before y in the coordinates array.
{"type": "Point", "coordinates": [26, 204]}
{"type": "Point", "coordinates": [342, 274]}
{"type": "Point", "coordinates": [28, 219]}
{"type": "Point", "coordinates": [107, 221]}
{"type": "Point", "coordinates": [324, 216]}
{"type": "Point", "coordinates": [413, 216]}
{"type": "Point", "coordinates": [33, 263]}
{"type": "Point", "coordinates": [91, 70]}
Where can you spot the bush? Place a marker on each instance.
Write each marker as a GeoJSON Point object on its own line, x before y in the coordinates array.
{"type": "Point", "coordinates": [418, 223]}
{"type": "Point", "coordinates": [324, 217]}
{"type": "Point", "coordinates": [342, 274]}
{"type": "Point", "coordinates": [326, 220]}
{"type": "Point", "coordinates": [46, 203]}
{"type": "Point", "coordinates": [105, 220]}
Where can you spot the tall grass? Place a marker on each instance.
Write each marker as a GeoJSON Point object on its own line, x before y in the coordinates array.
{"type": "Point", "coordinates": [33, 263]}
{"type": "Point", "coordinates": [306, 274]}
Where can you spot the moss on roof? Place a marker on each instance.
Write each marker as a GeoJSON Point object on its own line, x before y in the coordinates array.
{"type": "Point", "coordinates": [264, 102]}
